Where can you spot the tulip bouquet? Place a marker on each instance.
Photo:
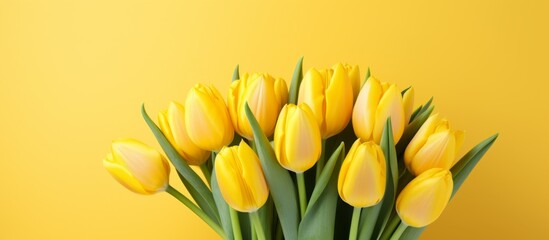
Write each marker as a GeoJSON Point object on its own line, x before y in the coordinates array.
{"type": "Point", "coordinates": [332, 157]}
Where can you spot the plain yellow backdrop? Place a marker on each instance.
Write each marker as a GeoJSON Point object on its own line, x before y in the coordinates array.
{"type": "Point", "coordinates": [73, 75]}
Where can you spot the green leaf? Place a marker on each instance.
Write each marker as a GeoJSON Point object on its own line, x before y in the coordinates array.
{"type": "Point", "coordinates": [412, 129]}
{"type": "Point", "coordinates": [427, 105]}
{"type": "Point", "coordinates": [460, 172]}
{"type": "Point", "coordinates": [280, 183]}
{"type": "Point", "coordinates": [236, 73]}
{"type": "Point", "coordinates": [203, 196]}
{"type": "Point", "coordinates": [463, 168]}
{"type": "Point", "coordinates": [196, 195]}
{"type": "Point", "coordinates": [222, 207]}
{"type": "Point", "coordinates": [388, 202]}
{"type": "Point", "coordinates": [415, 113]}
{"type": "Point", "coordinates": [296, 81]}
{"type": "Point", "coordinates": [319, 219]}
{"type": "Point", "coordinates": [326, 174]}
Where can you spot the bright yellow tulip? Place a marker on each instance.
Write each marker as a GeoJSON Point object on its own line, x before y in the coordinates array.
{"type": "Point", "coordinates": [361, 181]}
{"type": "Point", "coordinates": [297, 139]}
{"type": "Point", "coordinates": [435, 145]}
{"type": "Point", "coordinates": [240, 177]}
{"type": "Point", "coordinates": [408, 103]}
{"type": "Point", "coordinates": [375, 103]}
{"type": "Point", "coordinates": [172, 123]}
{"type": "Point", "coordinates": [137, 166]}
{"type": "Point", "coordinates": [264, 94]}
{"type": "Point", "coordinates": [329, 93]}
{"type": "Point", "coordinates": [207, 119]}
{"type": "Point", "coordinates": [422, 201]}
{"type": "Point", "coordinates": [354, 76]}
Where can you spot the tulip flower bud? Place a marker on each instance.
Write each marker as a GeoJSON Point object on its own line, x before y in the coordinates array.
{"type": "Point", "coordinates": [329, 93]}
{"type": "Point", "coordinates": [207, 119]}
{"type": "Point", "coordinates": [137, 166]}
{"type": "Point", "coordinates": [354, 76]}
{"type": "Point", "coordinates": [362, 177]}
{"type": "Point", "coordinates": [297, 139]}
{"type": "Point", "coordinates": [435, 145]}
{"type": "Point", "coordinates": [375, 103]}
{"type": "Point", "coordinates": [240, 177]}
{"type": "Point", "coordinates": [172, 123]}
{"type": "Point", "coordinates": [265, 96]}
{"type": "Point", "coordinates": [408, 103]}
{"type": "Point", "coordinates": [422, 201]}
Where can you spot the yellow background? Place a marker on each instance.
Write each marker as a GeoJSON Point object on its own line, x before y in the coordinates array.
{"type": "Point", "coordinates": [74, 73]}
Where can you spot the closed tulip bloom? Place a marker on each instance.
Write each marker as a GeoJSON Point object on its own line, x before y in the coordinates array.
{"type": "Point", "coordinates": [240, 177]}
{"type": "Point", "coordinates": [361, 181]}
{"type": "Point", "coordinates": [354, 76]}
{"type": "Point", "coordinates": [435, 145]}
{"type": "Point", "coordinates": [297, 139]}
{"type": "Point", "coordinates": [375, 103]}
{"type": "Point", "coordinates": [172, 124]}
{"type": "Point", "coordinates": [408, 103]}
{"type": "Point", "coordinates": [329, 93]}
{"type": "Point", "coordinates": [207, 119]}
{"type": "Point", "coordinates": [137, 166]}
{"type": "Point", "coordinates": [265, 96]}
{"type": "Point", "coordinates": [422, 201]}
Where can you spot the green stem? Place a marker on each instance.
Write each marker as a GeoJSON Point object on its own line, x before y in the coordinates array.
{"type": "Point", "coordinates": [302, 193]}
{"type": "Point", "coordinates": [235, 224]}
{"type": "Point", "coordinates": [320, 162]}
{"type": "Point", "coordinates": [353, 232]}
{"type": "Point", "coordinates": [399, 231]}
{"type": "Point", "coordinates": [207, 173]}
{"type": "Point", "coordinates": [390, 227]}
{"type": "Point", "coordinates": [257, 224]}
{"type": "Point", "coordinates": [172, 191]}
{"type": "Point", "coordinates": [369, 221]}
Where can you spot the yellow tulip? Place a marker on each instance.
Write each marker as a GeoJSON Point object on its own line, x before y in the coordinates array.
{"type": "Point", "coordinates": [375, 103]}
{"type": "Point", "coordinates": [422, 201]}
{"type": "Point", "coordinates": [329, 93]}
{"type": "Point", "coordinates": [354, 76]}
{"type": "Point", "coordinates": [264, 94]}
{"type": "Point", "coordinates": [207, 119]}
{"type": "Point", "coordinates": [435, 145]}
{"type": "Point", "coordinates": [172, 123]}
{"type": "Point", "coordinates": [408, 103]}
{"type": "Point", "coordinates": [137, 166]}
{"type": "Point", "coordinates": [361, 181]}
{"type": "Point", "coordinates": [297, 139]}
{"type": "Point", "coordinates": [240, 177]}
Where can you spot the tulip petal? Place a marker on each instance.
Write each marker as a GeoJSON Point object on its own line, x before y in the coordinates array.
{"type": "Point", "coordinates": [123, 176]}
{"type": "Point", "coordinates": [365, 108]}
{"type": "Point", "coordinates": [390, 105]}
{"type": "Point", "coordinates": [438, 152]}
{"type": "Point", "coordinates": [338, 102]}
{"type": "Point", "coordinates": [420, 138]}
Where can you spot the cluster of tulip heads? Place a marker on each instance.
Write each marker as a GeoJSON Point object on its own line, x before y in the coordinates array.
{"type": "Point", "coordinates": [334, 155]}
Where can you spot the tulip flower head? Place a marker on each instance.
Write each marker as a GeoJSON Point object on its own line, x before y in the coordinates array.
{"type": "Point", "coordinates": [172, 124]}
{"type": "Point", "coordinates": [422, 201]}
{"type": "Point", "coordinates": [329, 94]}
{"type": "Point", "coordinates": [240, 177]}
{"type": "Point", "coordinates": [362, 177]}
{"type": "Point", "coordinates": [137, 166]}
{"type": "Point", "coordinates": [265, 96]}
{"type": "Point", "coordinates": [207, 119]}
{"type": "Point", "coordinates": [297, 139]}
{"type": "Point", "coordinates": [354, 76]}
{"type": "Point", "coordinates": [435, 145]}
{"type": "Point", "coordinates": [375, 103]}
